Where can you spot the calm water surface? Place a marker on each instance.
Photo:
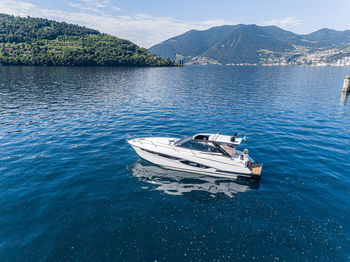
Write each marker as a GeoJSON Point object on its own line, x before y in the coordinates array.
{"type": "Point", "coordinates": [71, 189]}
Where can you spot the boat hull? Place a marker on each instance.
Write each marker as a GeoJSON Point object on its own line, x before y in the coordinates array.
{"type": "Point", "coordinates": [179, 164]}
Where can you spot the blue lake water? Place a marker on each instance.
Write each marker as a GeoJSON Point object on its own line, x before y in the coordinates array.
{"type": "Point", "coordinates": [72, 189]}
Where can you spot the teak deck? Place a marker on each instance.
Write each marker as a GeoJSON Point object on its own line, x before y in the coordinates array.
{"type": "Point", "coordinates": [255, 167]}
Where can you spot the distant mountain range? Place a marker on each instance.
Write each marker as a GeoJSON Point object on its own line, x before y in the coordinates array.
{"type": "Point", "coordinates": [261, 45]}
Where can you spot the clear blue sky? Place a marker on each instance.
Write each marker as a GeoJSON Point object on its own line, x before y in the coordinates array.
{"type": "Point", "coordinates": [149, 22]}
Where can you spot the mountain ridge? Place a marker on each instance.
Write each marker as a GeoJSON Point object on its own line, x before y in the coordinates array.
{"type": "Point", "coordinates": [253, 44]}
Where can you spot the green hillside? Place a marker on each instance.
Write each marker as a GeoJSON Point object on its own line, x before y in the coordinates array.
{"type": "Point", "coordinates": [37, 41]}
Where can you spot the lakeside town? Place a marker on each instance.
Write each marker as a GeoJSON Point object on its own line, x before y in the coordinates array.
{"type": "Point", "coordinates": [327, 57]}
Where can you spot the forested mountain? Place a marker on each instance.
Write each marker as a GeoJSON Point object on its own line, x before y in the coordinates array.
{"type": "Point", "coordinates": [252, 44]}
{"type": "Point", "coordinates": [328, 37]}
{"type": "Point", "coordinates": [37, 41]}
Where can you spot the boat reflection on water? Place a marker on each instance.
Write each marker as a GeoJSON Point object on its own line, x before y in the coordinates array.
{"type": "Point", "coordinates": [343, 98]}
{"type": "Point", "coordinates": [180, 183]}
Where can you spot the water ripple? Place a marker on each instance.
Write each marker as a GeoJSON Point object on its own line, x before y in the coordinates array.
{"type": "Point", "coordinates": [71, 187]}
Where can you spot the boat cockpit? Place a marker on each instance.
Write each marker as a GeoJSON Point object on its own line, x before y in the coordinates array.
{"type": "Point", "coordinates": [212, 143]}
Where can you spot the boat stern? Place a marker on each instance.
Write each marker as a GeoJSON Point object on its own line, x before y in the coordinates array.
{"type": "Point", "coordinates": [255, 168]}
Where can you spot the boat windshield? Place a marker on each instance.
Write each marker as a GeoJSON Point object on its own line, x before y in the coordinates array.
{"type": "Point", "coordinates": [183, 140]}
{"type": "Point", "coordinates": [200, 146]}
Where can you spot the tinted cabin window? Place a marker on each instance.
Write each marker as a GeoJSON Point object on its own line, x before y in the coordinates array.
{"type": "Point", "coordinates": [201, 137]}
{"type": "Point", "coordinates": [201, 147]}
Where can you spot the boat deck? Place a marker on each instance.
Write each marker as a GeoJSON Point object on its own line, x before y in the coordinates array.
{"type": "Point", "coordinates": [255, 167]}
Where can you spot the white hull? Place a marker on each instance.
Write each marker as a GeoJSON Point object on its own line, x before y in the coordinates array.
{"type": "Point", "coordinates": [161, 152]}
{"type": "Point", "coordinates": [176, 165]}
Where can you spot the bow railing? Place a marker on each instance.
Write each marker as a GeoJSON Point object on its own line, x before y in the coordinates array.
{"type": "Point", "coordinates": [143, 140]}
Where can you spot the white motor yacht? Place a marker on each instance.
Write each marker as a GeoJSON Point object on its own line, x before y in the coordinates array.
{"type": "Point", "coordinates": [210, 154]}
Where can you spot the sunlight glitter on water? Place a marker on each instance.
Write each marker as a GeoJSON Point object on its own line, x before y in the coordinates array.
{"type": "Point", "coordinates": [72, 187]}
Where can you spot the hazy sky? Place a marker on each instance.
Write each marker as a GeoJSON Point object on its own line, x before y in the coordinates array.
{"type": "Point", "coordinates": [147, 22]}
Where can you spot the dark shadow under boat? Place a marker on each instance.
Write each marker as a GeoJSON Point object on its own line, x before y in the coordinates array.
{"type": "Point", "coordinates": [182, 183]}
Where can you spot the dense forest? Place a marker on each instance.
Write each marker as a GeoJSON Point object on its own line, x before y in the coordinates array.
{"type": "Point", "coordinates": [38, 41]}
